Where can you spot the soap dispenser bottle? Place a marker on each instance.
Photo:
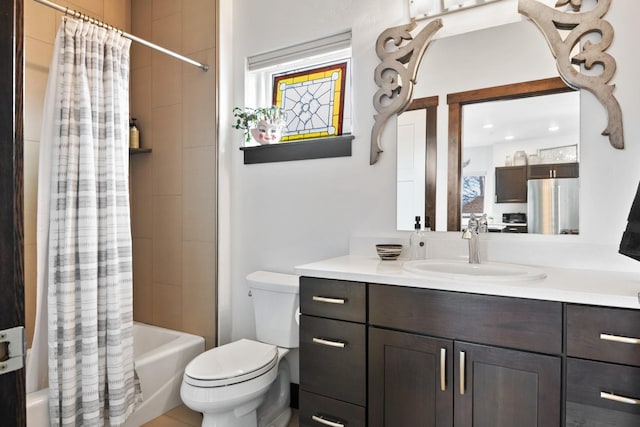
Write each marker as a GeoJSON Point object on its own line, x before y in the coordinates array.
{"type": "Point", "coordinates": [417, 242]}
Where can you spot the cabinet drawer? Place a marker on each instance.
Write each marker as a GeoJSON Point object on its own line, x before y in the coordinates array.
{"type": "Point", "coordinates": [590, 386]}
{"type": "Point", "coordinates": [333, 358]}
{"type": "Point", "coordinates": [318, 411]}
{"type": "Point", "coordinates": [509, 322]}
{"type": "Point", "coordinates": [607, 334]}
{"type": "Point", "coordinates": [336, 299]}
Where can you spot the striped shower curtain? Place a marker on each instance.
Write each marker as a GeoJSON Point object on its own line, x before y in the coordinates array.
{"type": "Point", "coordinates": [85, 259]}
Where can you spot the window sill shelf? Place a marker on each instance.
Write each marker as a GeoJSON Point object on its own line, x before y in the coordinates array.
{"type": "Point", "coordinates": [320, 148]}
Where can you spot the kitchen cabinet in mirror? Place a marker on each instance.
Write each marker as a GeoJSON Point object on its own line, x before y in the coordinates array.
{"type": "Point", "coordinates": [511, 184]}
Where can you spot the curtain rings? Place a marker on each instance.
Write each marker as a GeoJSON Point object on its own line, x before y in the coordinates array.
{"type": "Point", "coordinates": [79, 15]}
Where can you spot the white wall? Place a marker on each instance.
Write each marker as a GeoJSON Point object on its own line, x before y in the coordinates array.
{"type": "Point", "coordinates": [279, 215]}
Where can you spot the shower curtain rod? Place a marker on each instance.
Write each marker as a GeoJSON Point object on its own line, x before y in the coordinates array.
{"type": "Point", "coordinates": [76, 14]}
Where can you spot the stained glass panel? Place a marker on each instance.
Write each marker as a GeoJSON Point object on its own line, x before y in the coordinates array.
{"type": "Point", "coordinates": [313, 101]}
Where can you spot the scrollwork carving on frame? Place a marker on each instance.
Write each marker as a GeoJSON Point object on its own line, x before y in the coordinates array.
{"type": "Point", "coordinates": [396, 74]}
{"type": "Point", "coordinates": [550, 21]}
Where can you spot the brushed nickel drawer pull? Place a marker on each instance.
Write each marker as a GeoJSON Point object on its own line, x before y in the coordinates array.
{"type": "Point", "coordinates": [621, 399]}
{"type": "Point", "coordinates": [443, 369]}
{"type": "Point", "coordinates": [326, 422]}
{"type": "Point", "coordinates": [462, 371]}
{"type": "Point", "coordinates": [620, 339]}
{"type": "Point", "coordinates": [329, 300]}
{"type": "Point", "coordinates": [330, 343]}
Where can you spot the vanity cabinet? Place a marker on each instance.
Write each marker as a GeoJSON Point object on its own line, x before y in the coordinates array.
{"type": "Point", "coordinates": [403, 356]}
{"type": "Point", "coordinates": [466, 360]}
{"type": "Point", "coordinates": [554, 170]}
{"type": "Point", "coordinates": [511, 184]}
{"type": "Point", "coordinates": [603, 367]}
{"type": "Point", "coordinates": [333, 348]}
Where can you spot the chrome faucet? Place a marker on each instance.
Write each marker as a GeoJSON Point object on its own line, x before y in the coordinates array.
{"type": "Point", "coordinates": [483, 224]}
{"type": "Point", "coordinates": [471, 234]}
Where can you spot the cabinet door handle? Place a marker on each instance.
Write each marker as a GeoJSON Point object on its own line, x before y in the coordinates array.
{"type": "Point", "coordinates": [621, 339]}
{"type": "Point", "coordinates": [550, 173]}
{"type": "Point", "coordinates": [326, 422]}
{"type": "Point", "coordinates": [443, 369]}
{"type": "Point", "coordinates": [329, 343]}
{"type": "Point", "coordinates": [462, 371]}
{"type": "Point", "coordinates": [329, 300]}
{"type": "Point", "coordinates": [621, 399]}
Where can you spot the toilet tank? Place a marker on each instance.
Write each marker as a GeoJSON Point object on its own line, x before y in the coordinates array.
{"type": "Point", "coordinates": [276, 298]}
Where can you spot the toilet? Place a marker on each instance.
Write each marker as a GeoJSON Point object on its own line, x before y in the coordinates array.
{"type": "Point", "coordinates": [246, 383]}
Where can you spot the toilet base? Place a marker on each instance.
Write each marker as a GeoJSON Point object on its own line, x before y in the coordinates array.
{"type": "Point", "coordinates": [275, 410]}
{"type": "Point", "coordinates": [282, 420]}
{"type": "Point", "coordinates": [272, 408]}
{"type": "Point", "coordinates": [229, 419]}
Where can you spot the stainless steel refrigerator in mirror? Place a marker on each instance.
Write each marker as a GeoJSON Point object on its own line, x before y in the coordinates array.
{"type": "Point", "coordinates": [552, 206]}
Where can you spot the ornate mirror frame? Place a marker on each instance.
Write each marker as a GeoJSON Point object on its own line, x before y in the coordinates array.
{"type": "Point", "coordinates": [396, 74]}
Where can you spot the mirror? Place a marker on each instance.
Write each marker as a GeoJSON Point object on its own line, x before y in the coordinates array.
{"type": "Point", "coordinates": [520, 164]}
{"type": "Point", "coordinates": [459, 66]}
{"type": "Point", "coordinates": [501, 140]}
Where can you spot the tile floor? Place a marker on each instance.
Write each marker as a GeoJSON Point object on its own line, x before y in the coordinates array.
{"type": "Point", "coordinates": [184, 417]}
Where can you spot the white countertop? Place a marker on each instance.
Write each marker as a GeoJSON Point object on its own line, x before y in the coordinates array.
{"type": "Point", "coordinates": [604, 288]}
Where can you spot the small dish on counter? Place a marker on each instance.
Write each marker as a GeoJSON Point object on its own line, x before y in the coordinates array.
{"type": "Point", "coordinates": [388, 251]}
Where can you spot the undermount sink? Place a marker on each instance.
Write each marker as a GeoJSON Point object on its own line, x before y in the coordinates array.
{"type": "Point", "coordinates": [462, 270]}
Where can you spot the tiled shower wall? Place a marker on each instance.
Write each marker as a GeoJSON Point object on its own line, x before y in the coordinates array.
{"type": "Point", "coordinates": [41, 25]}
{"type": "Point", "coordinates": [173, 188]}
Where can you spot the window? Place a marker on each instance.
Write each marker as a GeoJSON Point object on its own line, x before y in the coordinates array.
{"type": "Point", "coordinates": [311, 81]}
{"type": "Point", "coordinates": [313, 100]}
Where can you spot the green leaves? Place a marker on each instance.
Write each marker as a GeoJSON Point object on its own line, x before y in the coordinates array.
{"type": "Point", "coordinates": [247, 118]}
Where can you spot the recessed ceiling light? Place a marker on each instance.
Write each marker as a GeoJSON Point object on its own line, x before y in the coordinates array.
{"type": "Point", "coordinates": [553, 128]}
{"type": "Point", "coordinates": [487, 126]}
{"type": "Point", "coordinates": [509, 137]}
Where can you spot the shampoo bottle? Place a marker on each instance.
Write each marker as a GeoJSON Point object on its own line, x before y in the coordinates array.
{"type": "Point", "coordinates": [417, 242]}
{"type": "Point", "coordinates": [134, 135]}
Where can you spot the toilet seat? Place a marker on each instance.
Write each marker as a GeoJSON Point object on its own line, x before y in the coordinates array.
{"type": "Point", "coordinates": [232, 363]}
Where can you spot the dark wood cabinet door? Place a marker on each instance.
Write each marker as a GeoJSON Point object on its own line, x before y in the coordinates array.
{"type": "Point", "coordinates": [567, 170]}
{"type": "Point", "coordinates": [12, 384]}
{"type": "Point", "coordinates": [497, 387]}
{"type": "Point", "coordinates": [409, 385]}
{"type": "Point", "coordinates": [554, 170]}
{"type": "Point", "coordinates": [511, 184]}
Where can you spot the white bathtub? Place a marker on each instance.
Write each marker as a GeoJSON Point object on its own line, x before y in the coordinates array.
{"type": "Point", "coordinates": [160, 357]}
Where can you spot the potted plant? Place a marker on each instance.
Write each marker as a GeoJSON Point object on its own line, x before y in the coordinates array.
{"type": "Point", "coordinates": [264, 124]}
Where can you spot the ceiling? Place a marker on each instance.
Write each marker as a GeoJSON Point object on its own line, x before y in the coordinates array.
{"type": "Point", "coordinates": [522, 119]}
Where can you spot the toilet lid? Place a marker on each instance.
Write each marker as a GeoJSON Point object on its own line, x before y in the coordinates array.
{"type": "Point", "coordinates": [231, 363]}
